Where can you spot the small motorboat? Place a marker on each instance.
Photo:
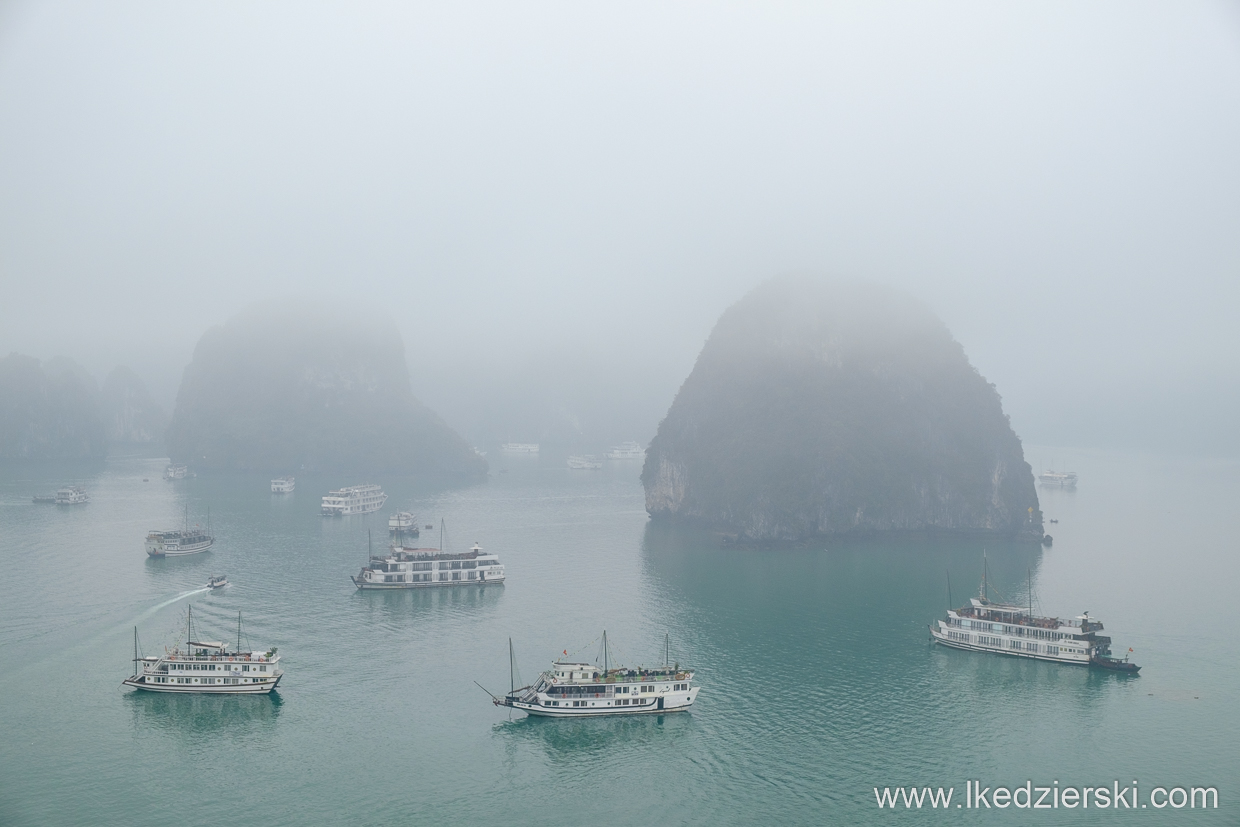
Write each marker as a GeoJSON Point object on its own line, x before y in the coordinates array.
{"type": "Point", "coordinates": [430, 527]}
{"type": "Point", "coordinates": [1115, 664]}
{"type": "Point", "coordinates": [217, 582]}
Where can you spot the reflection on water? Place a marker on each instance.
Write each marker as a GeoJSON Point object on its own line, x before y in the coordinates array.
{"type": "Point", "coordinates": [190, 714]}
{"type": "Point", "coordinates": [568, 742]}
{"type": "Point", "coordinates": [403, 604]}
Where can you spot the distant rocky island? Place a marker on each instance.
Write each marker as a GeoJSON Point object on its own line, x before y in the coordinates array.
{"type": "Point", "coordinates": [55, 410]}
{"type": "Point", "coordinates": [279, 390]}
{"type": "Point", "coordinates": [49, 411]}
{"type": "Point", "coordinates": [820, 408]}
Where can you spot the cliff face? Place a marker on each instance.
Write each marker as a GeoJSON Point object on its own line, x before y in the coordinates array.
{"type": "Point", "coordinates": [275, 391]}
{"type": "Point", "coordinates": [130, 414]}
{"type": "Point", "coordinates": [49, 411]}
{"type": "Point", "coordinates": [818, 408]}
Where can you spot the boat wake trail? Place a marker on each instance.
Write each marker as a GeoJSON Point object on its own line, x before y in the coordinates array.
{"type": "Point", "coordinates": [169, 602]}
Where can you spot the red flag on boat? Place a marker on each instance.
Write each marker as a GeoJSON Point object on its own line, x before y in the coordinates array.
{"type": "Point", "coordinates": [565, 651]}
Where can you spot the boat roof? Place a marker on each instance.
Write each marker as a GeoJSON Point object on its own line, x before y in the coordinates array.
{"type": "Point", "coordinates": [406, 554]}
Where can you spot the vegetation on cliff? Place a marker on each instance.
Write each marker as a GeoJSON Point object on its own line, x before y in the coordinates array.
{"type": "Point", "coordinates": [276, 391]}
{"type": "Point", "coordinates": [818, 408]}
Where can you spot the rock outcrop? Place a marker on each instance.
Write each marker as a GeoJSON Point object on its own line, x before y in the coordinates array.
{"type": "Point", "coordinates": [49, 411]}
{"type": "Point", "coordinates": [131, 416]}
{"type": "Point", "coordinates": [277, 390]}
{"type": "Point", "coordinates": [821, 408]}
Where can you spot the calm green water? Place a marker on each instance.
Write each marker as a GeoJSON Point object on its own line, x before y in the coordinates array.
{"type": "Point", "coordinates": [819, 683]}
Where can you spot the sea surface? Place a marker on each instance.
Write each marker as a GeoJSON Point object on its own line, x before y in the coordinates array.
{"type": "Point", "coordinates": [818, 681]}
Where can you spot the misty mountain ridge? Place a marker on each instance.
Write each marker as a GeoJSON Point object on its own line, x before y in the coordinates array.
{"type": "Point", "coordinates": [55, 410]}
{"type": "Point", "coordinates": [821, 408]}
{"type": "Point", "coordinates": [278, 388]}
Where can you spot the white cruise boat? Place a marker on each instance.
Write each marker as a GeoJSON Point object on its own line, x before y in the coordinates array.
{"type": "Point", "coordinates": [206, 667]}
{"type": "Point", "coordinates": [519, 447]}
{"type": "Point", "coordinates": [176, 472]}
{"type": "Point", "coordinates": [179, 542]}
{"type": "Point", "coordinates": [571, 689]}
{"type": "Point", "coordinates": [356, 499]}
{"type": "Point", "coordinates": [72, 495]}
{"type": "Point", "coordinates": [283, 485]}
{"type": "Point", "coordinates": [627, 450]}
{"type": "Point", "coordinates": [584, 463]}
{"type": "Point", "coordinates": [1061, 479]}
{"type": "Point", "coordinates": [403, 523]}
{"type": "Point", "coordinates": [420, 568]}
{"type": "Point", "coordinates": [1004, 629]}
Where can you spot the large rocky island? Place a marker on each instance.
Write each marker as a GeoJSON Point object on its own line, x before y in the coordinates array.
{"type": "Point", "coordinates": [279, 390]}
{"type": "Point", "coordinates": [823, 408]}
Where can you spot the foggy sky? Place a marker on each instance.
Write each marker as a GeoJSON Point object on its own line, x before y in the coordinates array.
{"type": "Point", "coordinates": [575, 192]}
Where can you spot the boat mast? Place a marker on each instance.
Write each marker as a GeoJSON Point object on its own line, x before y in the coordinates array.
{"type": "Point", "coordinates": [604, 654]}
{"type": "Point", "coordinates": [135, 651]}
{"type": "Point", "coordinates": [512, 680]}
{"type": "Point", "coordinates": [949, 589]}
{"type": "Point", "coordinates": [238, 630]}
{"type": "Point", "coordinates": [985, 584]}
{"type": "Point", "coordinates": [189, 626]}
{"type": "Point", "coordinates": [667, 648]}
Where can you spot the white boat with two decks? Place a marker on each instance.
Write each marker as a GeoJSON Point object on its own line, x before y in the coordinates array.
{"type": "Point", "coordinates": [72, 495]}
{"type": "Point", "coordinates": [206, 667]}
{"type": "Point", "coordinates": [354, 499]}
{"type": "Point", "coordinates": [182, 541]}
{"type": "Point", "coordinates": [283, 485]}
{"type": "Point", "coordinates": [519, 447]}
{"type": "Point", "coordinates": [627, 450]}
{"type": "Point", "coordinates": [571, 689]}
{"type": "Point", "coordinates": [421, 568]}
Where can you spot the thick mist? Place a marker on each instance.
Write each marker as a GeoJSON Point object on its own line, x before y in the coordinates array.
{"type": "Point", "coordinates": [555, 203]}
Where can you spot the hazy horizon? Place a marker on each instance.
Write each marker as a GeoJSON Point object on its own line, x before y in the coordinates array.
{"type": "Point", "coordinates": [556, 203]}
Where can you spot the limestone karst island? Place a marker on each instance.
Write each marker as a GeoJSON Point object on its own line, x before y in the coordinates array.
{"type": "Point", "coordinates": [825, 408]}
{"type": "Point", "coordinates": [272, 392]}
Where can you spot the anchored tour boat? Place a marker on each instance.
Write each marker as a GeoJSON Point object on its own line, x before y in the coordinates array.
{"type": "Point", "coordinates": [519, 447]}
{"type": "Point", "coordinates": [72, 495]}
{"type": "Point", "coordinates": [283, 485]}
{"type": "Point", "coordinates": [1006, 629]}
{"type": "Point", "coordinates": [179, 542]}
{"type": "Point", "coordinates": [584, 463]}
{"type": "Point", "coordinates": [403, 523]}
{"type": "Point", "coordinates": [207, 667]}
{"type": "Point", "coordinates": [1060, 479]}
{"type": "Point", "coordinates": [570, 689]}
{"type": "Point", "coordinates": [355, 499]}
{"type": "Point", "coordinates": [627, 450]}
{"type": "Point", "coordinates": [176, 472]}
{"type": "Point", "coordinates": [420, 568]}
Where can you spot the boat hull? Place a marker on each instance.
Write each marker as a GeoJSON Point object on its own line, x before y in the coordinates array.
{"type": "Point", "coordinates": [180, 552]}
{"type": "Point", "coordinates": [585, 712]}
{"type": "Point", "coordinates": [1012, 653]}
{"type": "Point", "coordinates": [364, 586]}
{"type": "Point", "coordinates": [198, 689]}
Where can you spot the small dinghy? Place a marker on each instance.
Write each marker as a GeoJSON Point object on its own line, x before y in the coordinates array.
{"type": "Point", "coordinates": [217, 582]}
